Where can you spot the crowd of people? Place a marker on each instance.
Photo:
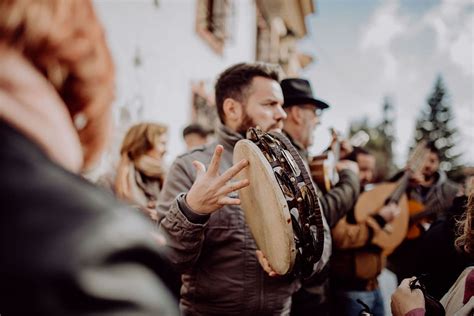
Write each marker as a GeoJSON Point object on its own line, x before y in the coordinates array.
{"type": "Point", "coordinates": [151, 240]}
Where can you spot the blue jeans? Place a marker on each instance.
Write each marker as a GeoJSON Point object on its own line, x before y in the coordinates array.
{"type": "Point", "coordinates": [345, 302]}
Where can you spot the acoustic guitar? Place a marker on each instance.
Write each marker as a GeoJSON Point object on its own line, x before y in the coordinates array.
{"type": "Point", "coordinates": [370, 202]}
{"type": "Point", "coordinates": [419, 215]}
{"type": "Point", "coordinates": [323, 167]}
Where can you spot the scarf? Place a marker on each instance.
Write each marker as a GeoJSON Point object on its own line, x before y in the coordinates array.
{"type": "Point", "coordinates": [139, 181]}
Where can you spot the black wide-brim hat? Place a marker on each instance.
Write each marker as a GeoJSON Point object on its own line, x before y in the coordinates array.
{"type": "Point", "coordinates": [298, 92]}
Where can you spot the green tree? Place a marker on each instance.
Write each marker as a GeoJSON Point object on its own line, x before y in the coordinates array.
{"type": "Point", "coordinates": [381, 140]}
{"type": "Point", "coordinates": [435, 123]}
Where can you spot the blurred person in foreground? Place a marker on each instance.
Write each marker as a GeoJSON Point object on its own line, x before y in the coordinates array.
{"type": "Point", "coordinates": [459, 299]}
{"type": "Point", "coordinates": [67, 247]}
{"type": "Point", "coordinates": [195, 135]}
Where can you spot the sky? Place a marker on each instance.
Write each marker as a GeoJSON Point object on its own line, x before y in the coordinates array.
{"type": "Point", "coordinates": [366, 50]}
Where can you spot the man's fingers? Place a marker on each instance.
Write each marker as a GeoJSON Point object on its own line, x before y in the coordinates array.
{"type": "Point", "coordinates": [262, 260]}
{"type": "Point", "coordinates": [226, 200]}
{"type": "Point", "coordinates": [158, 238]}
{"type": "Point", "coordinates": [199, 166]}
{"type": "Point", "coordinates": [216, 160]}
{"type": "Point", "coordinates": [233, 171]}
{"type": "Point", "coordinates": [234, 186]}
{"type": "Point", "coordinates": [265, 264]}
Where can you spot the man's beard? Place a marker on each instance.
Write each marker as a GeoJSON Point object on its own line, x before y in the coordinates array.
{"type": "Point", "coordinates": [429, 176]}
{"type": "Point", "coordinates": [248, 122]}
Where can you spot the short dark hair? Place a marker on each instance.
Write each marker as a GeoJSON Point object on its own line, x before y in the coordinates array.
{"type": "Point", "coordinates": [196, 128]}
{"type": "Point", "coordinates": [358, 151]}
{"type": "Point", "coordinates": [433, 148]}
{"type": "Point", "coordinates": [235, 82]}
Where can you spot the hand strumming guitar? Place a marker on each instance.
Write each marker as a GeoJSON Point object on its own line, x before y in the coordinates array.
{"type": "Point", "coordinates": [389, 212]}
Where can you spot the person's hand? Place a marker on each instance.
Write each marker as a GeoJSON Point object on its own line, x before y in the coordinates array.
{"type": "Point", "coordinates": [417, 178]}
{"type": "Point", "coordinates": [345, 149]}
{"type": "Point", "coordinates": [158, 238]}
{"type": "Point", "coordinates": [347, 164]}
{"type": "Point", "coordinates": [405, 299]}
{"type": "Point", "coordinates": [389, 212]}
{"type": "Point", "coordinates": [151, 212]}
{"type": "Point", "coordinates": [265, 264]}
{"type": "Point", "coordinates": [210, 189]}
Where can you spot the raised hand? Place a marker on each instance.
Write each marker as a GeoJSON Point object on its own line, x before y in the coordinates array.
{"type": "Point", "coordinates": [345, 148]}
{"type": "Point", "coordinates": [210, 189]}
{"type": "Point", "coordinates": [347, 164]}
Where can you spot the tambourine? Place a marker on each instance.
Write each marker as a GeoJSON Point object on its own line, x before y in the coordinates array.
{"type": "Point", "coordinates": [281, 206]}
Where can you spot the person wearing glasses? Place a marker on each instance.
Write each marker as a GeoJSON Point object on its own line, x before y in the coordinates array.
{"type": "Point", "coordinates": [208, 239]}
{"type": "Point", "coordinates": [303, 112]}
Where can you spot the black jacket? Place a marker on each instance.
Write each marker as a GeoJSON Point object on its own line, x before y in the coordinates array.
{"type": "Point", "coordinates": [67, 247]}
{"type": "Point", "coordinates": [438, 258]}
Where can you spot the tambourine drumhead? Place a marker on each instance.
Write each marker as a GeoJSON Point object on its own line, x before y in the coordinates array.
{"type": "Point", "coordinates": [265, 207]}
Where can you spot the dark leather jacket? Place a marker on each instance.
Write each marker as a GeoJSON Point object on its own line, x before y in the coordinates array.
{"type": "Point", "coordinates": [69, 248]}
{"type": "Point", "coordinates": [216, 253]}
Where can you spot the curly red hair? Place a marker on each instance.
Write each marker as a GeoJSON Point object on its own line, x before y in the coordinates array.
{"type": "Point", "coordinates": [65, 42]}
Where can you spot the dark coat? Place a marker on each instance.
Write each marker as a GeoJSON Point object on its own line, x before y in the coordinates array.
{"type": "Point", "coordinates": [438, 258]}
{"type": "Point", "coordinates": [69, 248]}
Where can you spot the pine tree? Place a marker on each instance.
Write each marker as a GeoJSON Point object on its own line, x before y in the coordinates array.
{"type": "Point", "coordinates": [387, 132]}
{"type": "Point", "coordinates": [435, 124]}
{"type": "Point", "coordinates": [381, 139]}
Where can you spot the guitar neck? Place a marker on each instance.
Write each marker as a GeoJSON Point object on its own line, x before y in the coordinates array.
{"type": "Point", "coordinates": [336, 148]}
{"type": "Point", "coordinates": [399, 190]}
{"type": "Point", "coordinates": [414, 164]}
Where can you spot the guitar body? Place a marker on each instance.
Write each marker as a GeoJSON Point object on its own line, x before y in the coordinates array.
{"type": "Point", "coordinates": [320, 172]}
{"type": "Point", "coordinates": [370, 202]}
{"type": "Point", "coordinates": [415, 229]}
{"type": "Point", "coordinates": [323, 167]}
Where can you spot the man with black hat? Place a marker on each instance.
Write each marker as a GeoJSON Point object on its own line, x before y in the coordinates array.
{"type": "Point", "coordinates": [303, 115]}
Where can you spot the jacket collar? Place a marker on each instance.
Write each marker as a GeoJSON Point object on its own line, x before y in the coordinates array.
{"type": "Point", "coordinates": [303, 152]}
{"type": "Point", "coordinates": [227, 137]}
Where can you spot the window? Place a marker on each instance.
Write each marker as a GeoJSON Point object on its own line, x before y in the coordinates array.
{"type": "Point", "coordinates": [213, 22]}
{"type": "Point", "coordinates": [204, 110]}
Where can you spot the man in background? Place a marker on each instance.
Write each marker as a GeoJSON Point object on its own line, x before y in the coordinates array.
{"type": "Point", "coordinates": [195, 135]}
{"type": "Point", "coordinates": [356, 261]}
{"type": "Point", "coordinates": [303, 115]}
{"type": "Point", "coordinates": [431, 189]}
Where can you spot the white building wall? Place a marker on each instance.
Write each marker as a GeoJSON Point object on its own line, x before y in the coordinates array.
{"type": "Point", "coordinates": [172, 56]}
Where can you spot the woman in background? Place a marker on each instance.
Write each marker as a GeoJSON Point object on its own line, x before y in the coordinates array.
{"type": "Point", "coordinates": [67, 248]}
{"type": "Point", "coordinates": [140, 173]}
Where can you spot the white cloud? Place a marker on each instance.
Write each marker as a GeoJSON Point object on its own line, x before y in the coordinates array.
{"type": "Point", "coordinates": [451, 20]}
{"type": "Point", "coordinates": [453, 23]}
{"type": "Point", "coordinates": [385, 25]}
